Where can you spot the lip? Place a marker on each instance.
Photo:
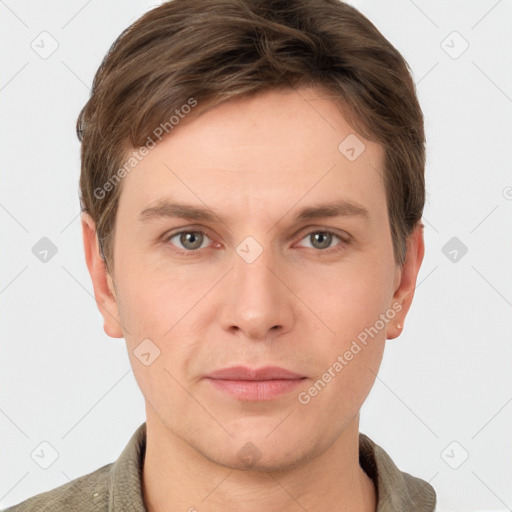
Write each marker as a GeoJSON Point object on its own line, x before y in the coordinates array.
{"type": "Point", "coordinates": [254, 374]}
{"type": "Point", "coordinates": [255, 384]}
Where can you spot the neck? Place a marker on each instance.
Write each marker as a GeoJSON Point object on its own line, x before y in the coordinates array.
{"type": "Point", "coordinates": [176, 476]}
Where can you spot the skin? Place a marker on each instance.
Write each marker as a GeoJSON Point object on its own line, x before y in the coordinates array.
{"type": "Point", "coordinates": [254, 162]}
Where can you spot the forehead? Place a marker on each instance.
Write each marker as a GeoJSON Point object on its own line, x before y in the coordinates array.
{"type": "Point", "coordinates": [276, 147]}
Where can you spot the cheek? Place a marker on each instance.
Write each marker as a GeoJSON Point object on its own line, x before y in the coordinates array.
{"type": "Point", "coordinates": [158, 310]}
{"type": "Point", "coordinates": [352, 301]}
{"type": "Point", "coordinates": [348, 358]}
{"type": "Point", "coordinates": [352, 305]}
{"type": "Point", "coordinates": [160, 341]}
{"type": "Point", "coordinates": [151, 301]}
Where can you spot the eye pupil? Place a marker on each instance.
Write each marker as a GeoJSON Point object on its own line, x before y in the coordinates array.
{"type": "Point", "coordinates": [191, 240]}
{"type": "Point", "coordinates": [324, 239]}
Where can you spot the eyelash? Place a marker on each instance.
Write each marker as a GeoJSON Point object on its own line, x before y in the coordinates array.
{"type": "Point", "coordinates": [343, 241]}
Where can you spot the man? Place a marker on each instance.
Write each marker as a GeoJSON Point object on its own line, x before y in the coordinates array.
{"type": "Point", "coordinates": [252, 188]}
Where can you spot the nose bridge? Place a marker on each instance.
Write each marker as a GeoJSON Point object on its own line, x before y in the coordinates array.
{"type": "Point", "coordinates": [257, 301]}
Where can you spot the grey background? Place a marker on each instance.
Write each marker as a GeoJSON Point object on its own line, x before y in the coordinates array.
{"type": "Point", "coordinates": [444, 390]}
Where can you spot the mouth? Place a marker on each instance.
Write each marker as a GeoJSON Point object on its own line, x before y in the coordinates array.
{"type": "Point", "coordinates": [264, 383]}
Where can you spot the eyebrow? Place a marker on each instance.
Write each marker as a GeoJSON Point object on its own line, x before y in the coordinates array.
{"type": "Point", "coordinates": [167, 209]}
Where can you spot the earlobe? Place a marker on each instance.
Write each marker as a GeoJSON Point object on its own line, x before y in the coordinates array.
{"type": "Point", "coordinates": [104, 291]}
{"type": "Point", "coordinates": [407, 276]}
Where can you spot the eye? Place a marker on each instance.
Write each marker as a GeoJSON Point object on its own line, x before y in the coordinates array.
{"type": "Point", "coordinates": [322, 240]}
{"type": "Point", "coordinates": [189, 240]}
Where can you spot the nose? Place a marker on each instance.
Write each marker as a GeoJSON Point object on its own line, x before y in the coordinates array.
{"type": "Point", "coordinates": [257, 301]}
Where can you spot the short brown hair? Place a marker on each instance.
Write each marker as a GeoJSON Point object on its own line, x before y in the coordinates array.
{"type": "Point", "coordinates": [213, 50]}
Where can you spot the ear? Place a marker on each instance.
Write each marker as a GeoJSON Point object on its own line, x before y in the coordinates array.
{"type": "Point", "coordinates": [405, 281]}
{"type": "Point", "coordinates": [104, 291]}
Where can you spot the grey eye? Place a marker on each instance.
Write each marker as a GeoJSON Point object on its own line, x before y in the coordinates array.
{"type": "Point", "coordinates": [320, 239]}
{"type": "Point", "coordinates": [190, 240]}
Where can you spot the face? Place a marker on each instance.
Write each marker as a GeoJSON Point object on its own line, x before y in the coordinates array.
{"type": "Point", "coordinates": [250, 237]}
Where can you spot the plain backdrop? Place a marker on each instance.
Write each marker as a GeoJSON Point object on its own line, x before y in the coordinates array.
{"type": "Point", "coordinates": [442, 403]}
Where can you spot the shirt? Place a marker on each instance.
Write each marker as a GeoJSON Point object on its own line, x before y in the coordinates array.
{"type": "Point", "coordinates": [117, 486]}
